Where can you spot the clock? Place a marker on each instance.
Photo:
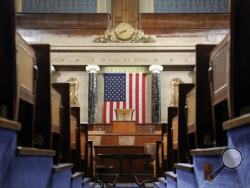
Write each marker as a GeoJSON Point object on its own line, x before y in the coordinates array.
{"type": "Point", "coordinates": [124, 31]}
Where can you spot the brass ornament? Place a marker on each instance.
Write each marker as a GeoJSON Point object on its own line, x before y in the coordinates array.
{"type": "Point", "coordinates": [74, 87]}
{"type": "Point", "coordinates": [124, 32]}
{"type": "Point", "coordinates": [174, 91]}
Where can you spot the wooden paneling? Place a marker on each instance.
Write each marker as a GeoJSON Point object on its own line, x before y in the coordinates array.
{"type": "Point", "coordinates": [26, 60]}
{"type": "Point", "coordinates": [63, 21]}
{"type": "Point", "coordinates": [113, 139]}
{"type": "Point", "coordinates": [124, 127]}
{"type": "Point", "coordinates": [8, 84]}
{"type": "Point", "coordinates": [73, 125]}
{"type": "Point", "coordinates": [203, 119]}
{"type": "Point", "coordinates": [125, 11]}
{"type": "Point", "coordinates": [141, 140]}
{"type": "Point", "coordinates": [96, 23]}
{"type": "Point", "coordinates": [175, 132]}
{"type": "Point", "coordinates": [55, 110]}
{"type": "Point", "coordinates": [190, 101]}
{"type": "Point", "coordinates": [161, 23]}
{"type": "Point", "coordinates": [219, 63]}
{"type": "Point", "coordinates": [43, 96]}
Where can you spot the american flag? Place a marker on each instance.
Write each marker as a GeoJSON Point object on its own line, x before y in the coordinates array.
{"type": "Point", "coordinates": [124, 91]}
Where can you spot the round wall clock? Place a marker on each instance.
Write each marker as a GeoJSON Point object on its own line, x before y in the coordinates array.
{"type": "Point", "coordinates": [124, 31]}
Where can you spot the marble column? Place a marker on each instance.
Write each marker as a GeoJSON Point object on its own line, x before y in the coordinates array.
{"type": "Point", "coordinates": [92, 92]}
{"type": "Point", "coordinates": [156, 93]}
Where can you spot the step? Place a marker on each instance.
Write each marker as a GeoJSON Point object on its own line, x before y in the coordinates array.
{"type": "Point", "coordinates": [9, 124]}
{"type": "Point", "coordinates": [171, 179]}
{"type": "Point", "coordinates": [162, 182]}
{"type": "Point", "coordinates": [238, 133]}
{"type": "Point", "coordinates": [76, 180]}
{"type": "Point", "coordinates": [61, 176]}
{"type": "Point", "coordinates": [31, 167]}
{"type": "Point", "coordinates": [186, 175]}
{"type": "Point", "coordinates": [156, 184]}
{"type": "Point", "coordinates": [205, 162]}
{"type": "Point", "coordinates": [8, 138]}
{"type": "Point", "coordinates": [86, 183]}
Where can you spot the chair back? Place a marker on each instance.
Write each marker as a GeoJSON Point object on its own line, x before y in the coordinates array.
{"type": "Point", "coordinates": [150, 148]}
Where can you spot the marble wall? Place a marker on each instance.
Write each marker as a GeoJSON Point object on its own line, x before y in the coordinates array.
{"type": "Point", "coordinates": [166, 77]}
{"type": "Point", "coordinates": [82, 77]}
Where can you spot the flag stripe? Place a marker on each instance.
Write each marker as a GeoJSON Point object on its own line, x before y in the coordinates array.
{"type": "Point", "coordinates": [105, 112]}
{"type": "Point", "coordinates": [140, 99]}
{"type": "Point", "coordinates": [130, 91]}
{"type": "Point", "coordinates": [114, 108]}
{"type": "Point", "coordinates": [134, 94]}
{"type": "Point", "coordinates": [127, 91]}
{"type": "Point", "coordinates": [108, 112]}
{"type": "Point", "coordinates": [111, 111]}
{"type": "Point", "coordinates": [143, 98]}
{"type": "Point", "coordinates": [137, 97]}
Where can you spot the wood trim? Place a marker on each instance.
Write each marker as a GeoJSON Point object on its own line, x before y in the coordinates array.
{"type": "Point", "coordinates": [61, 167]}
{"type": "Point", "coordinates": [237, 122]}
{"type": "Point", "coordinates": [125, 134]}
{"type": "Point", "coordinates": [184, 21]}
{"type": "Point", "coordinates": [120, 146]}
{"type": "Point", "coordinates": [26, 95]}
{"type": "Point", "coordinates": [35, 152]}
{"type": "Point", "coordinates": [220, 94]}
{"type": "Point", "coordinates": [171, 175]}
{"type": "Point", "coordinates": [9, 124]}
{"type": "Point", "coordinates": [191, 128]}
{"type": "Point", "coordinates": [207, 151]}
{"type": "Point", "coordinates": [184, 166]}
{"type": "Point", "coordinates": [62, 20]}
{"type": "Point", "coordinates": [220, 47]}
{"type": "Point", "coordinates": [76, 175]}
{"type": "Point", "coordinates": [178, 67]}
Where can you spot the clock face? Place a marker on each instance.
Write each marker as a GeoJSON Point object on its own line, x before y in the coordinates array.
{"type": "Point", "coordinates": [124, 31]}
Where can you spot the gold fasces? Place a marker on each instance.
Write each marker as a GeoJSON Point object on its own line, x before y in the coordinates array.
{"type": "Point", "coordinates": [174, 91]}
{"type": "Point", "coordinates": [74, 87]}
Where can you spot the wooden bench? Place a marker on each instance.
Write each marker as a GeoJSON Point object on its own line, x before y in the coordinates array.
{"type": "Point", "coordinates": [26, 74]}
{"type": "Point", "coordinates": [220, 88]}
{"type": "Point", "coordinates": [64, 90]}
{"type": "Point", "coordinates": [75, 132]}
{"type": "Point", "coordinates": [198, 103]}
{"type": "Point", "coordinates": [181, 125]}
{"type": "Point", "coordinates": [84, 148]}
{"type": "Point", "coordinates": [8, 84]}
{"type": "Point", "coordinates": [172, 112]}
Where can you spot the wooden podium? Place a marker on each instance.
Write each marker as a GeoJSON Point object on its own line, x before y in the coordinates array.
{"type": "Point", "coordinates": [124, 114]}
{"type": "Point", "coordinates": [124, 127]}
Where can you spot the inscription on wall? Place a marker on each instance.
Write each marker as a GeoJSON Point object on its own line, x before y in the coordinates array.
{"type": "Point", "coordinates": [167, 58]}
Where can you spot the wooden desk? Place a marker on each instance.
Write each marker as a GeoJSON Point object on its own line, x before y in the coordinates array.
{"type": "Point", "coordinates": [118, 139]}
{"type": "Point", "coordinates": [124, 156]}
